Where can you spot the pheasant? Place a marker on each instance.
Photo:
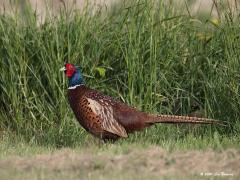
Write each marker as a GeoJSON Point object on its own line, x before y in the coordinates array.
{"type": "Point", "coordinates": [109, 119]}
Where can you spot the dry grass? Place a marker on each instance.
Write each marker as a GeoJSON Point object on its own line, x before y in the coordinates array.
{"type": "Point", "coordinates": [132, 163]}
{"type": "Point", "coordinates": [43, 8]}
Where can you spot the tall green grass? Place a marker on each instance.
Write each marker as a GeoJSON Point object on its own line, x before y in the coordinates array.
{"type": "Point", "coordinates": [150, 55]}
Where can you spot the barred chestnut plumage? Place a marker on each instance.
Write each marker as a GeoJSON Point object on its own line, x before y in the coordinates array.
{"type": "Point", "coordinates": [108, 118]}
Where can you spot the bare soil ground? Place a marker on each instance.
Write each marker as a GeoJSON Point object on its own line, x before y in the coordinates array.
{"type": "Point", "coordinates": [153, 162]}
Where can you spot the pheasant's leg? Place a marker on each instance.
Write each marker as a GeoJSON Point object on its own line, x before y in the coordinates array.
{"type": "Point", "coordinates": [100, 140]}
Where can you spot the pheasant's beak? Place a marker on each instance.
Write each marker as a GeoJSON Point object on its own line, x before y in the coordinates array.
{"type": "Point", "coordinates": [62, 69]}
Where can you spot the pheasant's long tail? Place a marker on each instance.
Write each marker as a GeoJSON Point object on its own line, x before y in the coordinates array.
{"type": "Point", "coordinates": [183, 119]}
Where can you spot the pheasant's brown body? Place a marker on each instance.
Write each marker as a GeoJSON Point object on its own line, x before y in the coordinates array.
{"type": "Point", "coordinates": [107, 118]}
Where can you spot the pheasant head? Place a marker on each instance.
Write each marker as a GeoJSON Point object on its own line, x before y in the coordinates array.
{"type": "Point", "coordinates": [74, 75]}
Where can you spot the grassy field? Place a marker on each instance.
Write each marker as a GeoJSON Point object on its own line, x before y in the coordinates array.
{"type": "Point", "coordinates": [116, 161]}
{"type": "Point", "coordinates": [150, 55]}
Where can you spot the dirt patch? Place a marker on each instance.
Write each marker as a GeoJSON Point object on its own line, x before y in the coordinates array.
{"type": "Point", "coordinates": [153, 161]}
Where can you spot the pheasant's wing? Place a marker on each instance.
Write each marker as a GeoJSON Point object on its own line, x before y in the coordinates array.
{"type": "Point", "coordinates": [103, 109]}
{"type": "Point", "coordinates": [122, 115]}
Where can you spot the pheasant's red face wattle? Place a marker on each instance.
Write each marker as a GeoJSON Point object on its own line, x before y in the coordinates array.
{"type": "Point", "coordinates": [70, 69]}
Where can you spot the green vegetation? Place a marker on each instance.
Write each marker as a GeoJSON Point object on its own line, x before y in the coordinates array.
{"type": "Point", "coordinates": [150, 55]}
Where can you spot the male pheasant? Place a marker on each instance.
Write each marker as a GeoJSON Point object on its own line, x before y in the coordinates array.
{"type": "Point", "coordinates": [108, 118]}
